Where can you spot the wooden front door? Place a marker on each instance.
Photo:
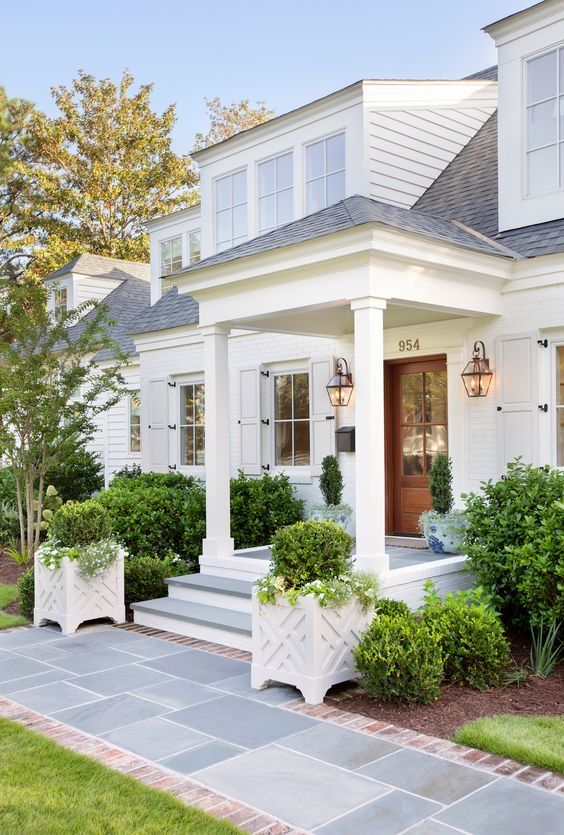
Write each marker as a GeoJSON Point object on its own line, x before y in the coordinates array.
{"type": "Point", "coordinates": [417, 432]}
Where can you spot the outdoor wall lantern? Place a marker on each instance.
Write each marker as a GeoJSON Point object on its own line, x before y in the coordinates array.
{"type": "Point", "coordinates": [477, 375]}
{"type": "Point", "coordinates": [339, 388]}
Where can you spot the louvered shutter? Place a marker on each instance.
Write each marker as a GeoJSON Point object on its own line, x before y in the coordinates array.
{"type": "Point", "coordinates": [158, 424]}
{"type": "Point", "coordinates": [321, 412]}
{"type": "Point", "coordinates": [249, 420]}
{"type": "Point", "coordinates": [517, 398]}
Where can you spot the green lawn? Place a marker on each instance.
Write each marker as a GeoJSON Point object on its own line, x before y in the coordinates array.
{"type": "Point", "coordinates": [535, 740]}
{"type": "Point", "coordinates": [7, 595]}
{"type": "Point", "coordinates": [46, 789]}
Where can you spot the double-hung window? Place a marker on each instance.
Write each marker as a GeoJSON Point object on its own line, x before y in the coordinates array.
{"type": "Point", "coordinates": [171, 255]}
{"type": "Point", "coordinates": [194, 246]}
{"type": "Point", "coordinates": [545, 122]}
{"type": "Point", "coordinates": [191, 424]}
{"type": "Point", "coordinates": [134, 421]}
{"type": "Point", "coordinates": [291, 419]}
{"type": "Point", "coordinates": [560, 406]}
{"type": "Point", "coordinates": [275, 192]}
{"type": "Point", "coordinates": [325, 172]}
{"type": "Point", "coordinates": [61, 299]}
{"type": "Point", "coordinates": [230, 210]}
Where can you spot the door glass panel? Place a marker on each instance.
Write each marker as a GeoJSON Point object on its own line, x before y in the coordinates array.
{"type": "Point", "coordinates": [412, 398]}
{"type": "Point", "coordinates": [435, 442]}
{"type": "Point", "coordinates": [412, 450]}
{"type": "Point", "coordinates": [435, 397]}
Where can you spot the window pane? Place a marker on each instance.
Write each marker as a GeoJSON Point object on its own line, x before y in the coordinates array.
{"type": "Point", "coordinates": [284, 171]}
{"type": "Point", "coordinates": [301, 443]}
{"type": "Point", "coordinates": [436, 396]}
{"type": "Point", "coordinates": [187, 446]}
{"type": "Point", "coordinates": [562, 165]}
{"type": "Point", "coordinates": [412, 398]}
{"type": "Point", "coordinates": [199, 403]}
{"type": "Point", "coordinates": [176, 248]}
{"type": "Point", "coordinates": [135, 422]}
{"type": "Point", "coordinates": [135, 443]}
{"type": "Point", "coordinates": [223, 226]}
{"type": "Point", "coordinates": [335, 187]}
{"type": "Point", "coordinates": [542, 170]}
{"type": "Point", "coordinates": [267, 218]}
{"type": "Point", "coordinates": [240, 221]}
{"type": "Point", "coordinates": [560, 376]}
{"type": "Point", "coordinates": [315, 196]}
{"type": "Point", "coordinates": [541, 120]}
{"type": "Point", "coordinates": [335, 153]}
{"type": "Point", "coordinates": [301, 396]}
{"type": "Point", "coordinates": [283, 397]}
{"type": "Point", "coordinates": [541, 77]}
{"type": "Point", "coordinates": [239, 188]}
{"type": "Point", "coordinates": [186, 404]}
{"type": "Point", "coordinates": [412, 450]}
{"type": "Point", "coordinates": [561, 53]}
{"type": "Point", "coordinates": [223, 193]}
{"type": "Point", "coordinates": [266, 177]}
{"type": "Point", "coordinates": [435, 443]}
{"type": "Point", "coordinates": [314, 160]}
{"type": "Point", "coordinates": [283, 441]}
{"type": "Point", "coordinates": [284, 206]}
{"type": "Point", "coordinates": [199, 446]}
{"type": "Point", "coordinates": [165, 251]}
{"type": "Point", "coordinates": [195, 247]}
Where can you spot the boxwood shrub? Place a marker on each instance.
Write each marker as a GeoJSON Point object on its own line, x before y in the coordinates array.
{"type": "Point", "coordinates": [515, 542]}
{"type": "Point", "coordinates": [145, 576]}
{"type": "Point", "coordinates": [308, 551]}
{"type": "Point", "coordinates": [80, 523]}
{"type": "Point", "coordinates": [26, 593]}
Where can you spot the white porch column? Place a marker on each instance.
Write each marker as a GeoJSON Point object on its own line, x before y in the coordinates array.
{"type": "Point", "coordinates": [218, 541]}
{"type": "Point", "coordinates": [369, 420]}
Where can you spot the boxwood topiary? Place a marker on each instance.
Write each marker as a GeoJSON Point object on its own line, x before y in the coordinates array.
{"type": "Point", "coordinates": [308, 551]}
{"type": "Point", "coordinates": [80, 524]}
{"type": "Point", "coordinates": [26, 593]}
{"type": "Point", "coordinates": [400, 660]}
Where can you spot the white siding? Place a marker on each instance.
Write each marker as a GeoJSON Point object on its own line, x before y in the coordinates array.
{"type": "Point", "coordinates": [88, 287]}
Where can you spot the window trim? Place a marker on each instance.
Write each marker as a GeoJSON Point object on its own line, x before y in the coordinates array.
{"type": "Point", "coordinates": [293, 470]}
{"type": "Point", "coordinates": [341, 131]}
{"type": "Point", "coordinates": [273, 158]}
{"type": "Point", "coordinates": [191, 380]}
{"type": "Point", "coordinates": [166, 241]}
{"type": "Point", "coordinates": [188, 253]}
{"type": "Point", "coordinates": [526, 194]}
{"type": "Point", "coordinates": [131, 393]}
{"type": "Point", "coordinates": [215, 180]}
{"type": "Point", "coordinates": [558, 343]}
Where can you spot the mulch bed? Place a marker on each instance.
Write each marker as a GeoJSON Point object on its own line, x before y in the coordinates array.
{"type": "Point", "coordinates": [10, 573]}
{"type": "Point", "coordinates": [460, 704]}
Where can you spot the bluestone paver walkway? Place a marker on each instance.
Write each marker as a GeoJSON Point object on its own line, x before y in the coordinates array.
{"type": "Point", "coordinates": [193, 712]}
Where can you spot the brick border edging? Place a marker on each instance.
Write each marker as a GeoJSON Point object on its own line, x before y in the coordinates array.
{"type": "Point", "coordinates": [493, 763]}
{"type": "Point", "coordinates": [150, 774]}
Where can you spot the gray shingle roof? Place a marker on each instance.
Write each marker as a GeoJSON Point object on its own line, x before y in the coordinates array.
{"type": "Point", "coordinates": [100, 265]}
{"type": "Point", "coordinates": [467, 191]}
{"type": "Point", "coordinates": [122, 305]}
{"type": "Point", "coordinates": [171, 311]}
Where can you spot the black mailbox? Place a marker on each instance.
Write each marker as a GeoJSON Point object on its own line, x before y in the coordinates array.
{"type": "Point", "coordinates": [345, 437]}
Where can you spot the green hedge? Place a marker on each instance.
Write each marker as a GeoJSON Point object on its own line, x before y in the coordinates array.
{"type": "Point", "coordinates": [26, 593]}
{"type": "Point", "coordinates": [145, 576]}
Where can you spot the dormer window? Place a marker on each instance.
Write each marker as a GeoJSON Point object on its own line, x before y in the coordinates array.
{"type": "Point", "coordinates": [171, 255]}
{"type": "Point", "coordinates": [61, 299]}
{"type": "Point", "coordinates": [325, 172]}
{"type": "Point", "coordinates": [230, 210]}
{"type": "Point", "coordinates": [275, 192]}
{"type": "Point", "coordinates": [545, 122]}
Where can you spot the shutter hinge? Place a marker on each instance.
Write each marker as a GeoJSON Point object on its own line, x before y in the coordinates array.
{"type": "Point", "coordinates": [172, 466]}
{"type": "Point", "coordinates": [266, 466]}
{"type": "Point", "coordinates": [329, 417]}
{"type": "Point", "coordinates": [265, 373]}
{"type": "Point", "coordinates": [149, 426]}
{"type": "Point", "coordinates": [172, 426]}
{"type": "Point", "coordinates": [542, 343]}
{"type": "Point", "coordinates": [543, 407]}
{"type": "Point", "coordinates": [266, 422]}
{"type": "Point", "coordinates": [499, 409]}
{"type": "Point", "coordinates": [172, 385]}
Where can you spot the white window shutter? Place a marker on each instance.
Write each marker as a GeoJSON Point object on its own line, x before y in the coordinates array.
{"type": "Point", "coordinates": [517, 398]}
{"type": "Point", "coordinates": [321, 412]}
{"type": "Point", "coordinates": [249, 420]}
{"type": "Point", "coordinates": [158, 424]}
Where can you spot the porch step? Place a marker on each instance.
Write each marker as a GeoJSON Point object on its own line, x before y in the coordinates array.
{"type": "Point", "coordinates": [196, 620]}
{"type": "Point", "coordinates": [212, 590]}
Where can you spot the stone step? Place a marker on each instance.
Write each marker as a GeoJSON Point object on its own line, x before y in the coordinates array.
{"type": "Point", "coordinates": [212, 590]}
{"type": "Point", "coordinates": [196, 620]}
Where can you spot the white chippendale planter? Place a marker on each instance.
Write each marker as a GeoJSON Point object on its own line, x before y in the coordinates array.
{"type": "Point", "coordinates": [307, 645]}
{"type": "Point", "coordinates": [61, 595]}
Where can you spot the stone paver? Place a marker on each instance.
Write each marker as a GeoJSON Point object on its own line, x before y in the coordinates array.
{"type": "Point", "coordinates": [162, 709]}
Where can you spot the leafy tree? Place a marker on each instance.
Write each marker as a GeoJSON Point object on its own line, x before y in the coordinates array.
{"type": "Point", "coordinates": [228, 119]}
{"type": "Point", "coordinates": [45, 364]}
{"type": "Point", "coordinates": [103, 167]}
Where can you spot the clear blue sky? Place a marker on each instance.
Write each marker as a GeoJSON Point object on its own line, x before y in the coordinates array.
{"type": "Point", "coordinates": [287, 52]}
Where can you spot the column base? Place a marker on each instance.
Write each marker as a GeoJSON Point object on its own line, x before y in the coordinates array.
{"type": "Point", "coordinates": [378, 564]}
{"type": "Point", "coordinates": [218, 547]}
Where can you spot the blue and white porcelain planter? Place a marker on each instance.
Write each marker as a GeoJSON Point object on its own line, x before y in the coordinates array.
{"type": "Point", "coordinates": [340, 514]}
{"type": "Point", "coordinates": [443, 532]}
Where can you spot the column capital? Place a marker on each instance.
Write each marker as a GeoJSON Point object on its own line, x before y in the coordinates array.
{"type": "Point", "coordinates": [215, 330]}
{"type": "Point", "coordinates": [365, 302]}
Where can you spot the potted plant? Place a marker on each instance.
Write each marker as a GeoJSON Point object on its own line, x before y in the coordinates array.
{"type": "Point", "coordinates": [310, 610]}
{"type": "Point", "coordinates": [79, 569]}
{"type": "Point", "coordinates": [442, 527]}
{"type": "Point", "coordinates": [331, 486]}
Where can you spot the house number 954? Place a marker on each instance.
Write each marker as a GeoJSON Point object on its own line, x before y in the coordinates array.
{"type": "Point", "coordinates": [408, 345]}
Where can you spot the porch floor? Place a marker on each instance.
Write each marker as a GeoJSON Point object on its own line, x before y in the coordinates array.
{"type": "Point", "coordinates": [400, 557]}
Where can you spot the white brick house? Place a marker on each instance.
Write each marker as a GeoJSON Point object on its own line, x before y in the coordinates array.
{"type": "Point", "coordinates": [393, 224]}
